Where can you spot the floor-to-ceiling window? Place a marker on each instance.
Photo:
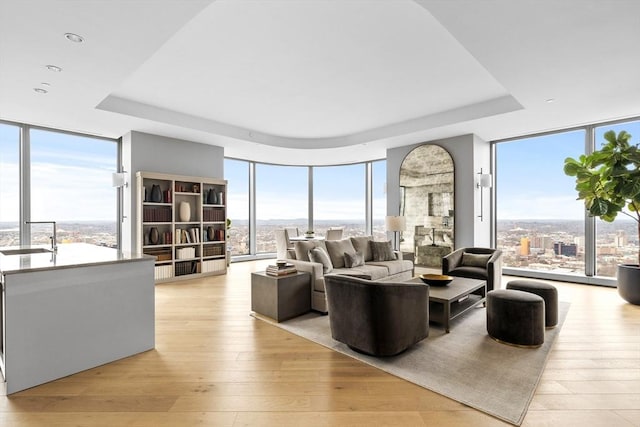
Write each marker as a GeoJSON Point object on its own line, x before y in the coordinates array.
{"type": "Point", "coordinates": [617, 241]}
{"type": "Point", "coordinates": [281, 201]}
{"type": "Point", "coordinates": [49, 175]}
{"type": "Point", "coordinates": [539, 223]}
{"type": "Point", "coordinates": [339, 198]}
{"type": "Point", "coordinates": [379, 199]}
{"type": "Point", "coordinates": [236, 172]}
{"type": "Point", "coordinates": [264, 197]}
{"type": "Point", "coordinates": [9, 185]}
{"type": "Point", "coordinates": [540, 226]}
{"type": "Point", "coordinates": [71, 184]}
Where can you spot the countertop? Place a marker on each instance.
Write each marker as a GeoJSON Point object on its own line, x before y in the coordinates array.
{"type": "Point", "coordinates": [69, 255]}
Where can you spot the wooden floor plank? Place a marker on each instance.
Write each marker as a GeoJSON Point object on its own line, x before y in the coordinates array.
{"type": "Point", "coordinates": [214, 364]}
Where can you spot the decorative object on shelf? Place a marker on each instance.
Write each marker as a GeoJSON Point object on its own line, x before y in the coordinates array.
{"type": "Point", "coordinates": [212, 198]}
{"type": "Point", "coordinates": [185, 211]}
{"type": "Point", "coordinates": [211, 234]}
{"type": "Point", "coordinates": [395, 223]}
{"type": "Point", "coordinates": [436, 279]}
{"type": "Point", "coordinates": [608, 182]}
{"type": "Point", "coordinates": [220, 198]}
{"type": "Point", "coordinates": [154, 236]}
{"type": "Point", "coordinates": [309, 234]}
{"type": "Point", "coordinates": [195, 188]}
{"type": "Point", "coordinates": [156, 193]}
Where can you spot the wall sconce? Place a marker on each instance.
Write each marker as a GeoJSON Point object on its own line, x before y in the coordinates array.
{"type": "Point", "coordinates": [485, 180]}
{"type": "Point", "coordinates": [119, 179]}
{"type": "Point", "coordinates": [395, 223]}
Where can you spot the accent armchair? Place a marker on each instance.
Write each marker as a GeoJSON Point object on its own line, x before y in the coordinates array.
{"type": "Point", "coordinates": [377, 318]}
{"type": "Point", "coordinates": [475, 263]}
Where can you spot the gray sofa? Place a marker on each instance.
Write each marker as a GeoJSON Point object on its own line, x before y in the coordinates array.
{"type": "Point", "coordinates": [376, 266]}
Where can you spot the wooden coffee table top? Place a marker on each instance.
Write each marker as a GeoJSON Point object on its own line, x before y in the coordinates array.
{"type": "Point", "coordinates": [459, 287]}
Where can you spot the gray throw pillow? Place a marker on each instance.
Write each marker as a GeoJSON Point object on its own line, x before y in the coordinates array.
{"type": "Point", "coordinates": [382, 251]}
{"type": "Point", "coordinates": [303, 247]}
{"type": "Point", "coordinates": [336, 250]}
{"type": "Point", "coordinates": [355, 259]}
{"type": "Point", "coordinates": [318, 254]}
{"type": "Point", "coordinates": [361, 244]}
{"type": "Point", "coordinates": [475, 260]}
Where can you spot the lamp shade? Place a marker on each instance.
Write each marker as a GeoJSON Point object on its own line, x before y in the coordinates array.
{"type": "Point", "coordinates": [119, 179]}
{"type": "Point", "coordinates": [395, 223]}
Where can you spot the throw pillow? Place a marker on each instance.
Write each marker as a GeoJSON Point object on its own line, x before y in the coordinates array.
{"type": "Point", "coordinates": [361, 244]}
{"type": "Point", "coordinates": [382, 251]}
{"type": "Point", "coordinates": [318, 254]}
{"type": "Point", "coordinates": [303, 247]}
{"type": "Point", "coordinates": [355, 259]}
{"type": "Point", "coordinates": [336, 250]}
{"type": "Point", "coordinates": [475, 260]}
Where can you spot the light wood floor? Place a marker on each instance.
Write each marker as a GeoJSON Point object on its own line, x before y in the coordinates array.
{"type": "Point", "coordinates": [215, 365]}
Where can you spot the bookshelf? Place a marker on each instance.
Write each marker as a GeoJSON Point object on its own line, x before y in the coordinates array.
{"type": "Point", "coordinates": [182, 222]}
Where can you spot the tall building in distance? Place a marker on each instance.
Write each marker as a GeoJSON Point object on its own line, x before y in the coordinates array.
{"type": "Point", "coordinates": [566, 249]}
{"type": "Point", "coordinates": [525, 246]}
{"type": "Point", "coordinates": [620, 240]}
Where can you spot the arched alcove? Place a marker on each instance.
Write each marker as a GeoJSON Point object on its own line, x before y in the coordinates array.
{"type": "Point", "coordinates": [427, 203]}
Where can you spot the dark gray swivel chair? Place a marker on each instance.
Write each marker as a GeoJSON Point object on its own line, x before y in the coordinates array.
{"type": "Point", "coordinates": [377, 318]}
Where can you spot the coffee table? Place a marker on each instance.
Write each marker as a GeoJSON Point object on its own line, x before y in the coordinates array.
{"type": "Point", "coordinates": [448, 302]}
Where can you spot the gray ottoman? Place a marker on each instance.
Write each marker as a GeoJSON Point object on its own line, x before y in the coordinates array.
{"type": "Point", "coordinates": [549, 294]}
{"type": "Point", "coordinates": [515, 317]}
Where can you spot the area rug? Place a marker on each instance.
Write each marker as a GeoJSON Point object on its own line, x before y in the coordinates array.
{"type": "Point", "coordinates": [465, 365]}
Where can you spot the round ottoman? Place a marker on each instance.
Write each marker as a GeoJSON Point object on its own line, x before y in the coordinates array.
{"type": "Point", "coordinates": [548, 293]}
{"type": "Point", "coordinates": [515, 317]}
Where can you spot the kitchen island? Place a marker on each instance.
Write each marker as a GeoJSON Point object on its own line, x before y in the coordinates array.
{"type": "Point", "coordinates": [71, 310]}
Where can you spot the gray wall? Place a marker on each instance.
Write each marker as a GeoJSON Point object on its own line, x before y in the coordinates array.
{"type": "Point", "coordinates": [153, 153]}
{"type": "Point", "coordinates": [469, 153]}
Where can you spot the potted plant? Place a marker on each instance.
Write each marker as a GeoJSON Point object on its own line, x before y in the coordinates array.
{"type": "Point", "coordinates": [608, 180]}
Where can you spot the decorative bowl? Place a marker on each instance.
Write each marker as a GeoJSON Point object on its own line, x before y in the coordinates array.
{"type": "Point", "coordinates": [436, 279]}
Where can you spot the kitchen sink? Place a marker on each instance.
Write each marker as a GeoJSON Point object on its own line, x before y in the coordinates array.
{"type": "Point", "coordinates": [24, 251]}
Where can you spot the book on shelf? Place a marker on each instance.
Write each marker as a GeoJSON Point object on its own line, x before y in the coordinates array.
{"type": "Point", "coordinates": [275, 270]}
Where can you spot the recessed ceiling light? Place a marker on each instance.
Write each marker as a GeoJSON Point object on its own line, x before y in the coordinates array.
{"type": "Point", "coordinates": [40, 90]}
{"type": "Point", "coordinates": [74, 37]}
{"type": "Point", "coordinates": [550, 100]}
{"type": "Point", "coordinates": [45, 84]}
{"type": "Point", "coordinates": [54, 68]}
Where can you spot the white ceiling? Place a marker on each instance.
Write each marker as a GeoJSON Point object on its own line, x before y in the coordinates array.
{"type": "Point", "coordinates": [313, 81]}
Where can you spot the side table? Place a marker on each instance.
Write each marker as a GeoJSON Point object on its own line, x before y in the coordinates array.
{"type": "Point", "coordinates": [281, 297]}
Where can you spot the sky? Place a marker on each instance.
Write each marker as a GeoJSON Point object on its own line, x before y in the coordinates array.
{"type": "Point", "coordinates": [530, 180]}
{"type": "Point", "coordinates": [70, 176]}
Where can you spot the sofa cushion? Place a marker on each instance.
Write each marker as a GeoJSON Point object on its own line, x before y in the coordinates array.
{"type": "Point", "coordinates": [475, 260]}
{"type": "Point", "coordinates": [394, 267]}
{"type": "Point", "coordinates": [469, 272]}
{"type": "Point", "coordinates": [353, 259]}
{"type": "Point", "coordinates": [319, 254]}
{"type": "Point", "coordinates": [382, 251]}
{"type": "Point", "coordinates": [367, 271]}
{"type": "Point", "coordinates": [336, 250]}
{"type": "Point", "coordinates": [361, 244]}
{"type": "Point", "coordinates": [303, 247]}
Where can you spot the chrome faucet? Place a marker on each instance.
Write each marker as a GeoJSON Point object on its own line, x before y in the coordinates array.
{"type": "Point", "coordinates": [54, 239]}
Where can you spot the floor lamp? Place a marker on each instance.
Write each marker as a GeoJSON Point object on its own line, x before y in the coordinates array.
{"type": "Point", "coordinates": [395, 223]}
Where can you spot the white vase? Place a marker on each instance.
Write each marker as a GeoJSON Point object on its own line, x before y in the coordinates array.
{"type": "Point", "coordinates": [185, 211]}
